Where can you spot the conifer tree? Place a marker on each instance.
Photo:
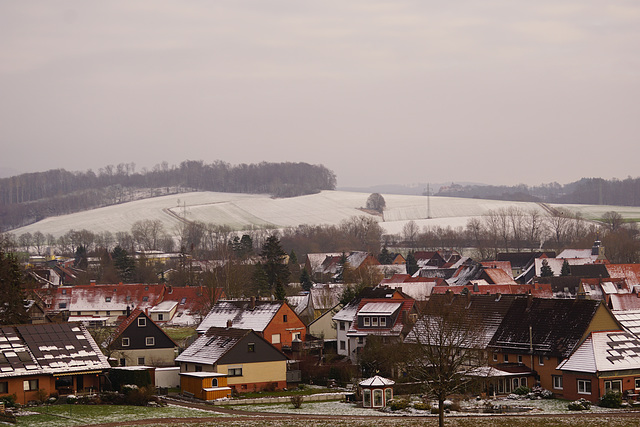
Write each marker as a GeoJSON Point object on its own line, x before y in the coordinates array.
{"type": "Point", "coordinates": [12, 310]}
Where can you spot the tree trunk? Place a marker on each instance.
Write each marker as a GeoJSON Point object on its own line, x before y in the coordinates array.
{"type": "Point", "coordinates": [440, 411]}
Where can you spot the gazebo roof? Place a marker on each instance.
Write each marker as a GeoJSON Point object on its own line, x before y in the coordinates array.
{"type": "Point", "coordinates": [376, 381]}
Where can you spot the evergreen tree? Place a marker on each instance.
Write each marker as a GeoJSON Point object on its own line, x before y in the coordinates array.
{"type": "Point", "coordinates": [545, 270]}
{"type": "Point", "coordinates": [305, 280]}
{"type": "Point", "coordinates": [566, 270]}
{"type": "Point", "coordinates": [81, 260]}
{"type": "Point", "coordinates": [124, 264]}
{"type": "Point", "coordinates": [412, 264]}
{"type": "Point", "coordinates": [385, 257]}
{"type": "Point", "coordinates": [260, 280]}
{"type": "Point", "coordinates": [12, 310]}
{"type": "Point", "coordinates": [245, 247]}
{"type": "Point", "coordinates": [348, 294]}
{"type": "Point", "coordinates": [273, 263]}
{"type": "Point", "coordinates": [280, 294]}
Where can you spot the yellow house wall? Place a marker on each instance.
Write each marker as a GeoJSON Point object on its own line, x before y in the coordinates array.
{"type": "Point", "coordinates": [602, 321]}
{"type": "Point", "coordinates": [263, 372]}
{"type": "Point", "coordinates": [157, 357]}
{"type": "Point", "coordinates": [324, 328]}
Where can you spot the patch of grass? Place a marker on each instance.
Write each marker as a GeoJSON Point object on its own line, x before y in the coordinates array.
{"type": "Point", "coordinates": [72, 415]}
{"type": "Point", "coordinates": [179, 333]}
{"type": "Point", "coordinates": [285, 393]}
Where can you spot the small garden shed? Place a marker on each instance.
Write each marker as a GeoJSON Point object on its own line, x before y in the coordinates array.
{"type": "Point", "coordinates": [376, 392]}
{"type": "Point", "coordinates": [204, 385]}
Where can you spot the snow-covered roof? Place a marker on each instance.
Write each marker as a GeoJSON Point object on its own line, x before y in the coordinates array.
{"type": "Point", "coordinates": [203, 374]}
{"type": "Point", "coordinates": [242, 314]}
{"type": "Point", "coordinates": [630, 320]}
{"type": "Point", "coordinates": [379, 308]}
{"type": "Point", "coordinates": [605, 352]}
{"type": "Point", "coordinates": [376, 381]}
{"type": "Point", "coordinates": [212, 345]}
{"type": "Point", "coordinates": [347, 313]}
{"type": "Point", "coordinates": [556, 263]}
{"type": "Point", "coordinates": [164, 306]}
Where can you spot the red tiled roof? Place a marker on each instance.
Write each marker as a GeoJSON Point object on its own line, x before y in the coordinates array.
{"type": "Point", "coordinates": [537, 290]}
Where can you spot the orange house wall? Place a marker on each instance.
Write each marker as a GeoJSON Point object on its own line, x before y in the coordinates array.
{"type": "Point", "coordinates": [285, 329]}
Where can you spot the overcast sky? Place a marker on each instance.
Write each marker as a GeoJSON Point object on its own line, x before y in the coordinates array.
{"type": "Point", "coordinates": [492, 91]}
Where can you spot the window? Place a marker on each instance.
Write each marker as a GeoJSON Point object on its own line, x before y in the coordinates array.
{"type": "Point", "coordinates": [160, 316]}
{"type": "Point", "coordinates": [388, 395]}
{"type": "Point", "coordinates": [125, 341]}
{"type": "Point", "coordinates": [142, 321]}
{"type": "Point", "coordinates": [284, 318]}
{"type": "Point", "coordinates": [4, 387]}
{"type": "Point", "coordinates": [557, 382]}
{"type": "Point", "coordinates": [140, 360]}
{"type": "Point", "coordinates": [495, 357]}
{"type": "Point", "coordinates": [519, 358]}
{"type": "Point", "coordinates": [516, 383]}
{"type": "Point", "coordinates": [150, 341]}
{"type": "Point", "coordinates": [541, 360]}
{"type": "Point", "coordinates": [367, 321]}
{"type": "Point", "coordinates": [637, 383]}
{"type": "Point", "coordinates": [62, 305]}
{"type": "Point", "coordinates": [198, 368]}
{"type": "Point", "coordinates": [183, 300]}
{"type": "Point", "coordinates": [343, 345]}
{"type": "Point", "coordinates": [251, 347]}
{"type": "Point", "coordinates": [377, 398]}
{"type": "Point", "coordinates": [360, 340]}
{"type": "Point", "coordinates": [383, 321]}
{"type": "Point", "coordinates": [64, 291]}
{"type": "Point", "coordinates": [123, 362]}
{"type": "Point", "coordinates": [107, 299]}
{"type": "Point", "coordinates": [614, 385]}
{"type": "Point", "coordinates": [584, 386]}
{"type": "Point", "coordinates": [78, 313]}
{"type": "Point", "coordinates": [523, 382]}
{"type": "Point", "coordinates": [275, 339]}
{"type": "Point", "coordinates": [342, 326]}
{"type": "Point", "coordinates": [30, 385]}
{"type": "Point", "coordinates": [506, 358]}
{"type": "Point", "coordinates": [234, 372]}
{"type": "Point", "coordinates": [366, 400]}
{"type": "Point", "coordinates": [145, 298]}
{"type": "Point", "coordinates": [374, 321]}
{"type": "Point", "coordinates": [108, 313]}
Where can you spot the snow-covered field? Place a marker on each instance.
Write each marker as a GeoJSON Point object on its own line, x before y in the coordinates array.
{"type": "Point", "coordinates": [247, 211]}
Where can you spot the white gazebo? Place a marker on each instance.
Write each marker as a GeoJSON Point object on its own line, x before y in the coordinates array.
{"type": "Point", "coordinates": [376, 392]}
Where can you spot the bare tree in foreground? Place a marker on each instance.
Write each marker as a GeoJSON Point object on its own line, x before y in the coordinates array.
{"type": "Point", "coordinates": [445, 343]}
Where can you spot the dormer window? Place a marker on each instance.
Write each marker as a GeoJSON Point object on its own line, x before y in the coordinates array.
{"type": "Point", "coordinates": [374, 321]}
{"type": "Point", "coordinates": [367, 321]}
{"type": "Point", "coordinates": [383, 321]}
{"type": "Point", "coordinates": [107, 299]}
{"type": "Point", "coordinates": [183, 300]}
{"type": "Point", "coordinates": [64, 291]}
{"type": "Point", "coordinates": [145, 298]}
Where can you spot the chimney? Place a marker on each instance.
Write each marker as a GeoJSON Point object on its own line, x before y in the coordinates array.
{"type": "Point", "coordinates": [252, 304]}
{"type": "Point", "coordinates": [92, 282]}
{"type": "Point", "coordinates": [146, 311]}
{"type": "Point", "coordinates": [529, 300]}
{"type": "Point", "coordinates": [229, 323]}
{"type": "Point", "coordinates": [128, 311]}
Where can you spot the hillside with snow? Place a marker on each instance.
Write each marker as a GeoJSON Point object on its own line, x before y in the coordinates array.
{"type": "Point", "coordinates": [247, 211]}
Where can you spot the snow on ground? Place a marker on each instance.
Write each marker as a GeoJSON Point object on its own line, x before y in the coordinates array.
{"type": "Point", "coordinates": [247, 211]}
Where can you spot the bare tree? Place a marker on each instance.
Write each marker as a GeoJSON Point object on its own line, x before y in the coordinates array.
{"type": "Point", "coordinates": [613, 220]}
{"type": "Point", "coordinates": [443, 345]}
{"type": "Point", "coordinates": [534, 227]}
{"type": "Point", "coordinates": [410, 232]}
{"type": "Point", "coordinates": [558, 223]}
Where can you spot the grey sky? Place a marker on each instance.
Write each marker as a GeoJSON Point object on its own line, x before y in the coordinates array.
{"type": "Point", "coordinates": [395, 91]}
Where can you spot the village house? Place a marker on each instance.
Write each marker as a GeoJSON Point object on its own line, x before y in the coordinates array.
{"type": "Point", "coordinates": [61, 358]}
{"type": "Point", "coordinates": [384, 312]}
{"type": "Point", "coordinates": [604, 361]}
{"type": "Point", "coordinates": [537, 334]}
{"type": "Point", "coordinates": [275, 321]}
{"type": "Point", "coordinates": [249, 361]}
{"type": "Point", "coordinates": [139, 341]}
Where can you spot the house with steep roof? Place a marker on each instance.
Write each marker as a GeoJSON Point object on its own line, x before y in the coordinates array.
{"type": "Point", "coordinates": [275, 321]}
{"type": "Point", "coordinates": [384, 312]}
{"type": "Point", "coordinates": [604, 361]}
{"type": "Point", "coordinates": [629, 272]}
{"type": "Point", "coordinates": [139, 341]}
{"type": "Point", "coordinates": [249, 361]}
{"type": "Point", "coordinates": [537, 334]}
{"type": "Point", "coordinates": [60, 357]}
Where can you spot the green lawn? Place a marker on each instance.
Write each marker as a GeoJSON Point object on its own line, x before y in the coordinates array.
{"type": "Point", "coordinates": [179, 333]}
{"type": "Point", "coordinates": [73, 415]}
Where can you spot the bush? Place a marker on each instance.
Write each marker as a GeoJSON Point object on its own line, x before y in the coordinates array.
{"type": "Point", "coordinates": [540, 392]}
{"type": "Point", "coordinates": [421, 406]}
{"type": "Point", "coordinates": [141, 396]}
{"type": "Point", "coordinates": [611, 399]}
{"type": "Point", "coordinates": [397, 404]}
{"type": "Point", "coordinates": [523, 390]}
{"type": "Point", "coordinates": [9, 400]}
{"type": "Point", "coordinates": [579, 405]}
{"type": "Point", "coordinates": [71, 399]}
{"type": "Point", "coordinates": [296, 401]}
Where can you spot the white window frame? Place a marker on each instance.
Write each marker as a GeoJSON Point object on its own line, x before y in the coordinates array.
{"type": "Point", "coordinates": [608, 386]}
{"type": "Point", "coordinates": [495, 357]}
{"type": "Point", "coordinates": [557, 382]}
{"type": "Point", "coordinates": [541, 360]}
{"type": "Point", "coordinates": [160, 317]}
{"type": "Point", "coordinates": [142, 322]}
{"type": "Point", "coordinates": [234, 372]}
{"type": "Point", "coordinates": [126, 342]}
{"type": "Point", "coordinates": [141, 360]}
{"type": "Point", "coordinates": [366, 321]}
{"type": "Point", "coordinates": [505, 358]}
{"type": "Point", "coordinates": [582, 386]}
{"type": "Point", "coordinates": [374, 321]}
{"type": "Point", "coordinates": [383, 322]}
{"type": "Point", "coordinates": [150, 341]}
{"type": "Point", "coordinates": [30, 385]}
